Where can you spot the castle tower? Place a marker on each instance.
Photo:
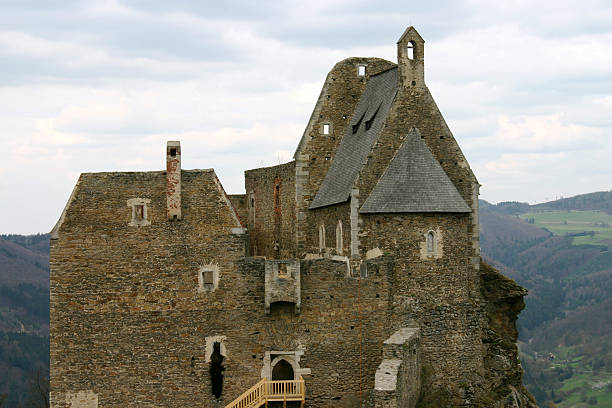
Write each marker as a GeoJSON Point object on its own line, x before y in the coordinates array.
{"type": "Point", "coordinates": [173, 180]}
{"type": "Point", "coordinates": [411, 58]}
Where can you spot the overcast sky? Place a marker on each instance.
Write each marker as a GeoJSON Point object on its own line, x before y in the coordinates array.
{"type": "Point", "coordinates": [85, 86]}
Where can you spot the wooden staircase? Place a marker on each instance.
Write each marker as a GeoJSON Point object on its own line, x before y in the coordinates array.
{"type": "Point", "coordinates": [268, 391]}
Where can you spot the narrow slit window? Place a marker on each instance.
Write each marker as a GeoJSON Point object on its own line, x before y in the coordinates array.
{"type": "Point", "coordinates": [277, 198]}
{"type": "Point", "coordinates": [172, 152]}
{"type": "Point", "coordinates": [326, 129]}
{"type": "Point", "coordinates": [322, 237]}
{"type": "Point", "coordinates": [361, 70]}
{"type": "Point", "coordinates": [430, 242]}
{"type": "Point", "coordinates": [139, 212]}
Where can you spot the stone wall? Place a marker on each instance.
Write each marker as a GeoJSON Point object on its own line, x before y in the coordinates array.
{"type": "Point", "coordinates": [398, 377]}
{"type": "Point", "coordinates": [339, 96]}
{"type": "Point", "coordinates": [271, 210]}
{"type": "Point", "coordinates": [329, 218]}
{"type": "Point", "coordinates": [439, 294]}
{"type": "Point", "coordinates": [130, 327]}
{"type": "Point", "coordinates": [239, 202]}
{"type": "Point", "coordinates": [126, 310]}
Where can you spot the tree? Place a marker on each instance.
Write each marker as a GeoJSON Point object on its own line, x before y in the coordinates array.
{"type": "Point", "coordinates": [38, 396]}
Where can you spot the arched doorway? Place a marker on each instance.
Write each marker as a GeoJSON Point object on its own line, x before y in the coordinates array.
{"type": "Point", "coordinates": [282, 371]}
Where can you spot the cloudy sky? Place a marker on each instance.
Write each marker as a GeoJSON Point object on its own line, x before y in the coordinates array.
{"type": "Point", "coordinates": [85, 86]}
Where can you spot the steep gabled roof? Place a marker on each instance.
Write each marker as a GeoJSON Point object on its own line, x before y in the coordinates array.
{"type": "Point", "coordinates": [366, 123]}
{"type": "Point", "coordinates": [414, 182]}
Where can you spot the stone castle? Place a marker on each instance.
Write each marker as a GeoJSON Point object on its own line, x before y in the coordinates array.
{"type": "Point", "coordinates": [349, 277]}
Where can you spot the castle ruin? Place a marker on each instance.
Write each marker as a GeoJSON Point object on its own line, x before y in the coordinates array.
{"type": "Point", "coordinates": [351, 274]}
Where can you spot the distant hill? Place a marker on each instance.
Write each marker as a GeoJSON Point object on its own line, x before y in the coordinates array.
{"type": "Point", "coordinates": [24, 259]}
{"type": "Point", "coordinates": [601, 200]}
{"type": "Point", "coordinates": [560, 251]}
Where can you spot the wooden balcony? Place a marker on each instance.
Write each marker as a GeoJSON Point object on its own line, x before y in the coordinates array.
{"type": "Point", "coordinates": [268, 391]}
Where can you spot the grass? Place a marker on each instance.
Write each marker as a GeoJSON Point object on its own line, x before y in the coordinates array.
{"type": "Point", "coordinates": [572, 222]}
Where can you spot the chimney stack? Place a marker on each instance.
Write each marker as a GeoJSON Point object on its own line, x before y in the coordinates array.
{"type": "Point", "coordinates": [173, 180]}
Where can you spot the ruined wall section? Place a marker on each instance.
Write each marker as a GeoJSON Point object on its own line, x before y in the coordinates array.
{"type": "Point", "coordinates": [127, 310]}
{"type": "Point", "coordinates": [239, 202]}
{"type": "Point", "coordinates": [328, 217]}
{"type": "Point", "coordinates": [339, 96]}
{"type": "Point", "coordinates": [437, 292]}
{"type": "Point", "coordinates": [271, 210]}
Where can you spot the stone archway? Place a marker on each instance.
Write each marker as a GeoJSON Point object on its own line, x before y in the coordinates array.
{"type": "Point", "coordinates": [282, 370]}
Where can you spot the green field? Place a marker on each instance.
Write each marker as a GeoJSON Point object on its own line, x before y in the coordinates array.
{"type": "Point", "coordinates": [597, 223]}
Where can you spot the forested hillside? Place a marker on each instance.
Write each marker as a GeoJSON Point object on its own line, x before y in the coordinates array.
{"type": "Point", "coordinates": [560, 251]}
{"type": "Point", "coordinates": [24, 318]}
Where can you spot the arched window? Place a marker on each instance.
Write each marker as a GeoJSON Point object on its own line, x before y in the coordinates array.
{"type": "Point", "coordinates": [322, 237]}
{"type": "Point", "coordinates": [410, 50]}
{"type": "Point", "coordinates": [339, 242]}
{"type": "Point", "coordinates": [431, 242]}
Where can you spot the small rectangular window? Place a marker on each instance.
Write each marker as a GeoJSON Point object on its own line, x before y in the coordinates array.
{"type": "Point", "coordinates": [326, 129]}
{"type": "Point", "coordinates": [207, 277]}
{"type": "Point", "coordinates": [139, 212]}
{"type": "Point", "coordinates": [361, 70]}
{"type": "Point", "coordinates": [172, 152]}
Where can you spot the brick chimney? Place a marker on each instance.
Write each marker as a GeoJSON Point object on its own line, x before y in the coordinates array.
{"type": "Point", "coordinates": [173, 180]}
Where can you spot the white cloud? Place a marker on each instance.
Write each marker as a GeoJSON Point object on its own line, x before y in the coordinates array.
{"type": "Point", "coordinates": [525, 88]}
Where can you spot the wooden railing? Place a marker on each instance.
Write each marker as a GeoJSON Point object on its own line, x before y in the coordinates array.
{"type": "Point", "coordinates": [265, 391]}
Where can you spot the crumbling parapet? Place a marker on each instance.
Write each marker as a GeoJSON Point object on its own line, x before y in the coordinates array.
{"type": "Point", "coordinates": [397, 382]}
{"type": "Point", "coordinates": [282, 282]}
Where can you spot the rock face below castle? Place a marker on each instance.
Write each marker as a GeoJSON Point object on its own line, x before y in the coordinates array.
{"type": "Point", "coordinates": [354, 267]}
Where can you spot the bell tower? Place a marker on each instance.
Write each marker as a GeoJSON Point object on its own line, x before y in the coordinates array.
{"type": "Point", "coordinates": [411, 59]}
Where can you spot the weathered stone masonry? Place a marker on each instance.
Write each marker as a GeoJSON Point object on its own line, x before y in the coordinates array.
{"type": "Point", "coordinates": [355, 266]}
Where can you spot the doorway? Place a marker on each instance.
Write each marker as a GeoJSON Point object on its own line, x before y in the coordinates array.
{"type": "Point", "coordinates": [282, 371]}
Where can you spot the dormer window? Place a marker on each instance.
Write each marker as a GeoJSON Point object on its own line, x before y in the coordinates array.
{"type": "Point", "coordinates": [139, 212]}
{"type": "Point", "coordinates": [356, 125]}
{"type": "Point", "coordinates": [410, 50]}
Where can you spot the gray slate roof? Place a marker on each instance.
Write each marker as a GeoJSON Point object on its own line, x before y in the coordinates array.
{"type": "Point", "coordinates": [414, 182]}
{"type": "Point", "coordinates": [354, 147]}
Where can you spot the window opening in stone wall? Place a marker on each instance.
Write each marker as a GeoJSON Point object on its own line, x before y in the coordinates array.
{"type": "Point", "coordinates": [321, 237]}
{"type": "Point", "coordinates": [339, 243]}
{"type": "Point", "coordinates": [172, 152]}
{"type": "Point", "coordinates": [361, 70]}
{"type": "Point", "coordinates": [282, 371]}
{"type": "Point", "coordinates": [430, 242]}
{"type": "Point", "coordinates": [282, 271]}
{"type": "Point", "coordinates": [410, 50]}
{"type": "Point", "coordinates": [326, 129]}
{"type": "Point", "coordinates": [216, 370]}
{"type": "Point", "coordinates": [139, 212]}
{"type": "Point", "coordinates": [277, 200]}
{"type": "Point", "coordinates": [208, 278]}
